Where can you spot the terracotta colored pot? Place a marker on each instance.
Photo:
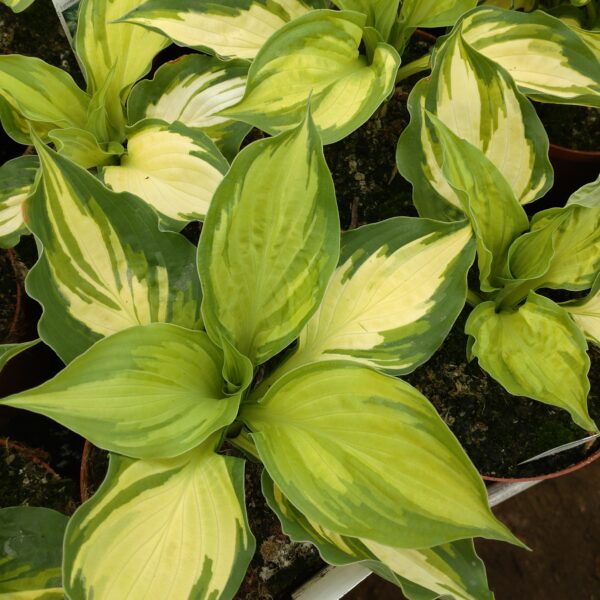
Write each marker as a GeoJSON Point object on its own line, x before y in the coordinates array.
{"type": "Point", "coordinates": [424, 36]}
{"type": "Point", "coordinates": [586, 461]}
{"type": "Point", "coordinates": [572, 169]}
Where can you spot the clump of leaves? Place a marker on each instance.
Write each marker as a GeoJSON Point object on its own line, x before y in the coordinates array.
{"type": "Point", "coordinates": [485, 169]}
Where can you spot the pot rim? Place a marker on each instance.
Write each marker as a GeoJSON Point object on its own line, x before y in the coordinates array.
{"type": "Point", "coordinates": [570, 153]}
{"type": "Point", "coordinates": [579, 465]}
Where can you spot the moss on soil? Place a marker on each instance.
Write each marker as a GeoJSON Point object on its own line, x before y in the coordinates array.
{"type": "Point", "coordinates": [499, 430]}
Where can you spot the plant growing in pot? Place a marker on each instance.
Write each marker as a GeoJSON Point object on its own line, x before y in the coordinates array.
{"type": "Point", "coordinates": [122, 307]}
{"type": "Point", "coordinates": [467, 169]}
{"type": "Point", "coordinates": [161, 397]}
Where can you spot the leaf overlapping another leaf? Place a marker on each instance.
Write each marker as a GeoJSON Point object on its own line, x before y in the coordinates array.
{"type": "Point", "coordinates": [105, 266]}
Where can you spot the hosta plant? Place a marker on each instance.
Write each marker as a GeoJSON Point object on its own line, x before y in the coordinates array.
{"type": "Point", "coordinates": [485, 169]}
{"type": "Point", "coordinates": [277, 336]}
{"type": "Point", "coordinates": [357, 460]}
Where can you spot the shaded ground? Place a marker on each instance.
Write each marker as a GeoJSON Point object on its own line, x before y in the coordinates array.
{"type": "Point", "coordinates": [559, 520]}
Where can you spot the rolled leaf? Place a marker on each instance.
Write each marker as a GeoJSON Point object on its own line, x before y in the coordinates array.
{"type": "Point", "coordinates": [452, 568]}
{"type": "Point", "coordinates": [83, 148]}
{"type": "Point", "coordinates": [391, 302]}
{"type": "Point", "coordinates": [9, 351]}
{"type": "Point", "coordinates": [586, 313]}
{"type": "Point", "coordinates": [192, 90]}
{"type": "Point", "coordinates": [487, 200]}
{"type": "Point", "coordinates": [548, 61]}
{"type": "Point", "coordinates": [273, 219]}
{"type": "Point", "coordinates": [536, 351]}
{"type": "Point", "coordinates": [562, 249]}
{"type": "Point", "coordinates": [317, 55]}
{"type": "Point", "coordinates": [172, 168]}
{"type": "Point", "coordinates": [381, 14]}
{"type": "Point", "coordinates": [114, 53]}
{"type": "Point", "coordinates": [168, 529]}
{"type": "Point", "coordinates": [17, 178]}
{"type": "Point", "coordinates": [32, 540]}
{"type": "Point", "coordinates": [153, 391]}
{"type": "Point", "coordinates": [105, 265]}
{"type": "Point", "coordinates": [502, 124]}
{"type": "Point", "coordinates": [35, 93]}
{"type": "Point", "coordinates": [230, 28]}
{"type": "Point", "coordinates": [366, 455]}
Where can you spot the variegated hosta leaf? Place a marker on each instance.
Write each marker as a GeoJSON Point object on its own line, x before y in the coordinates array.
{"type": "Point", "coordinates": [17, 5]}
{"type": "Point", "coordinates": [49, 594]}
{"type": "Point", "coordinates": [83, 148]}
{"type": "Point", "coordinates": [453, 569]}
{"type": "Point", "coordinates": [153, 391]}
{"type": "Point", "coordinates": [381, 14]}
{"type": "Point", "coordinates": [434, 13]}
{"type": "Point", "coordinates": [17, 178]}
{"type": "Point", "coordinates": [35, 93]}
{"type": "Point", "coordinates": [562, 250]}
{"type": "Point", "coordinates": [535, 351]}
{"type": "Point", "coordinates": [9, 351]}
{"type": "Point", "coordinates": [502, 124]}
{"type": "Point", "coordinates": [228, 28]}
{"type": "Point", "coordinates": [366, 455]}
{"type": "Point", "coordinates": [393, 299]}
{"type": "Point", "coordinates": [192, 90]}
{"type": "Point", "coordinates": [317, 55]}
{"type": "Point", "coordinates": [548, 61]}
{"type": "Point", "coordinates": [269, 244]}
{"type": "Point", "coordinates": [105, 265]}
{"type": "Point", "coordinates": [171, 167]}
{"type": "Point", "coordinates": [117, 53]}
{"type": "Point", "coordinates": [30, 561]}
{"type": "Point", "coordinates": [162, 530]}
{"type": "Point", "coordinates": [429, 13]}
{"type": "Point", "coordinates": [586, 313]}
{"type": "Point", "coordinates": [486, 198]}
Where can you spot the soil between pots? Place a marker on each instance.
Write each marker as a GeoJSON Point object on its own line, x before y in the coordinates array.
{"type": "Point", "coordinates": [576, 127]}
{"type": "Point", "coordinates": [25, 481]}
{"type": "Point", "coordinates": [496, 429]}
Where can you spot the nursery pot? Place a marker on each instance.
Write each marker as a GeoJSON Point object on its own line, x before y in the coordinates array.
{"type": "Point", "coordinates": [572, 169]}
{"type": "Point", "coordinates": [579, 465]}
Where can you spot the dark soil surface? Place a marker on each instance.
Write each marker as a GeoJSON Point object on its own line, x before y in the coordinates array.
{"type": "Point", "coordinates": [24, 480]}
{"type": "Point", "coordinates": [499, 430]}
{"type": "Point", "coordinates": [8, 296]}
{"type": "Point", "coordinates": [363, 165]}
{"type": "Point", "coordinates": [279, 566]}
{"type": "Point", "coordinates": [576, 127]}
